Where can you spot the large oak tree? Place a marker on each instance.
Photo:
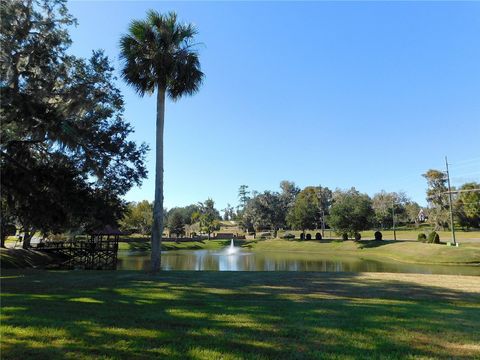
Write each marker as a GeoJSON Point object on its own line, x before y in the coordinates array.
{"type": "Point", "coordinates": [65, 155]}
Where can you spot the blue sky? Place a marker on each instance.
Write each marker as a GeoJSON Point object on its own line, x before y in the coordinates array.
{"type": "Point", "coordinates": [337, 94]}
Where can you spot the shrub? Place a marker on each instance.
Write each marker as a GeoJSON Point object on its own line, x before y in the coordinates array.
{"type": "Point", "coordinates": [318, 236]}
{"type": "Point", "coordinates": [344, 236]}
{"type": "Point", "coordinates": [378, 235]}
{"type": "Point", "coordinates": [433, 238]}
{"type": "Point", "coordinates": [288, 236]}
{"type": "Point", "coordinates": [302, 236]}
{"type": "Point", "coordinates": [357, 236]}
{"type": "Point", "coordinates": [309, 237]}
{"type": "Point", "coordinates": [422, 237]}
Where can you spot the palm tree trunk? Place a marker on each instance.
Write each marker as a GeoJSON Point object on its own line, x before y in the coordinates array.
{"type": "Point", "coordinates": [157, 229]}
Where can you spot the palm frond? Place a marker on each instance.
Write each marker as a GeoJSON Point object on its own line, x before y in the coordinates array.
{"type": "Point", "coordinates": [159, 52]}
{"type": "Point", "coordinates": [187, 76]}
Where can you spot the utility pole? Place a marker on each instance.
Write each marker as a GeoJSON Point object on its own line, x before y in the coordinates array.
{"type": "Point", "coordinates": [393, 220]}
{"type": "Point", "coordinates": [452, 226]}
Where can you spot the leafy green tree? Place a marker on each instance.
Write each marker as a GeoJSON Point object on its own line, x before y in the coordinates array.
{"type": "Point", "coordinates": [351, 212]}
{"type": "Point", "coordinates": [325, 199]}
{"type": "Point", "coordinates": [64, 147]}
{"type": "Point", "coordinates": [196, 217]}
{"type": "Point", "coordinates": [467, 206]}
{"type": "Point", "coordinates": [437, 198]}
{"type": "Point", "coordinates": [304, 213]}
{"type": "Point", "coordinates": [288, 193]}
{"type": "Point", "coordinates": [159, 55]}
{"type": "Point", "coordinates": [186, 212]}
{"type": "Point", "coordinates": [412, 209]}
{"type": "Point", "coordinates": [264, 211]}
{"type": "Point", "coordinates": [385, 205]}
{"type": "Point", "coordinates": [176, 224]}
{"type": "Point", "coordinates": [138, 217]}
{"type": "Point", "coordinates": [209, 217]}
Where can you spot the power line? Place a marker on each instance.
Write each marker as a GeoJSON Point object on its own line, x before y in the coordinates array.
{"type": "Point", "coordinates": [465, 164]}
{"type": "Point", "coordinates": [468, 160]}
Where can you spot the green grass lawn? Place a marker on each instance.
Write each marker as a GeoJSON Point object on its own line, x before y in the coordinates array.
{"type": "Point", "coordinates": [404, 251]}
{"type": "Point", "coordinates": [244, 315]}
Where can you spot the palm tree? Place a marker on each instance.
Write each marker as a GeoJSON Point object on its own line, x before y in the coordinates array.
{"type": "Point", "coordinates": [158, 53]}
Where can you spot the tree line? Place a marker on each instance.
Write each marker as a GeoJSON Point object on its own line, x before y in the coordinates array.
{"type": "Point", "coordinates": [201, 217]}
{"type": "Point", "coordinates": [317, 207]}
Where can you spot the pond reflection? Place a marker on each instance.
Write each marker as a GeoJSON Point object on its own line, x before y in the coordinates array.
{"type": "Point", "coordinates": [277, 261]}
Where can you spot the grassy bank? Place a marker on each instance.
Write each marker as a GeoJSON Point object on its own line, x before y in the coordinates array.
{"type": "Point", "coordinates": [143, 244]}
{"type": "Point", "coordinates": [406, 251]}
{"type": "Point", "coordinates": [212, 315]}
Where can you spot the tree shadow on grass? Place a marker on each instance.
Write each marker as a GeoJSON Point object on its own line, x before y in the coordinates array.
{"type": "Point", "coordinates": [255, 315]}
{"type": "Point", "coordinates": [365, 244]}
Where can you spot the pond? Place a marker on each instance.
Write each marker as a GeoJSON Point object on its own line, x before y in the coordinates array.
{"type": "Point", "coordinates": [242, 260]}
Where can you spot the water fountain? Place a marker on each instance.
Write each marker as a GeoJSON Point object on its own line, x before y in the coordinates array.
{"type": "Point", "coordinates": [231, 249]}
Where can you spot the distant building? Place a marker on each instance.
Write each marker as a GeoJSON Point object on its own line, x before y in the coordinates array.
{"type": "Point", "coordinates": [421, 216]}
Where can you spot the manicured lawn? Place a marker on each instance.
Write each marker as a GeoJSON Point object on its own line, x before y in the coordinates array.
{"type": "Point", "coordinates": [255, 315]}
{"type": "Point", "coordinates": [405, 251]}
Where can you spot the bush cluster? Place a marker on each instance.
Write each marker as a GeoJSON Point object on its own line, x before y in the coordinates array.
{"type": "Point", "coordinates": [308, 237]}
{"type": "Point", "coordinates": [344, 236]}
{"type": "Point", "coordinates": [422, 237]}
{"type": "Point", "coordinates": [433, 238]}
{"type": "Point", "coordinates": [357, 236]}
{"type": "Point", "coordinates": [318, 236]}
{"type": "Point", "coordinates": [378, 235]}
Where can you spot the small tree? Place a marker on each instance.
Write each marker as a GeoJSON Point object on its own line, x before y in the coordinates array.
{"type": "Point", "coordinates": [243, 197]}
{"type": "Point", "coordinates": [209, 217]}
{"type": "Point", "coordinates": [138, 217]}
{"type": "Point", "coordinates": [303, 214]}
{"type": "Point", "coordinates": [467, 206]}
{"type": "Point", "coordinates": [176, 224]}
{"type": "Point", "coordinates": [433, 238]}
{"type": "Point", "coordinates": [351, 212]}
{"type": "Point", "coordinates": [208, 224]}
{"type": "Point", "coordinates": [437, 198]}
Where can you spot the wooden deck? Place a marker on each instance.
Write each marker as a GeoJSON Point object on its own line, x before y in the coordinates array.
{"type": "Point", "coordinates": [85, 254]}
